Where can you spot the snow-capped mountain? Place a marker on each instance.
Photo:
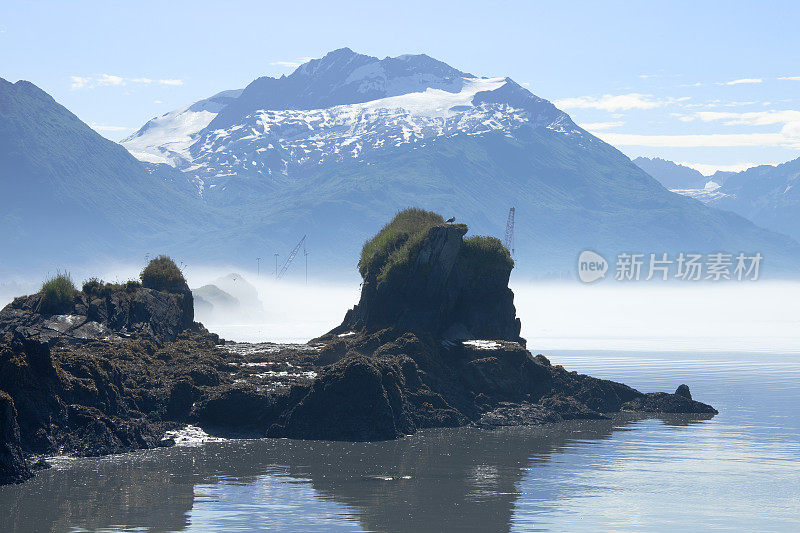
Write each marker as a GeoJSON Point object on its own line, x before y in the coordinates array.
{"type": "Point", "coordinates": [766, 194]}
{"type": "Point", "coordinates": [379, 105]}
{"type": "Point", "coordinates": [334, 149]}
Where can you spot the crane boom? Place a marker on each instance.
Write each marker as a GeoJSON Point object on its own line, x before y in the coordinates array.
{"type": "Point", "coordinates": [291, 258]}
{"type": "Point", "coordinates": [509, 240]}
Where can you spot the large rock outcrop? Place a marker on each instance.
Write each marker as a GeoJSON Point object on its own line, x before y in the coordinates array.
{"type": "Point", "coordinates": [96, 373]}
{"type": "Point", "coordinates": [434, 341]}
{"type": "Point", "coordinates": [444, 285]}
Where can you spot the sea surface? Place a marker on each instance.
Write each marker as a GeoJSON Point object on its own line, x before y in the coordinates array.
{"type": "Point", "coordinates": [739, 471]}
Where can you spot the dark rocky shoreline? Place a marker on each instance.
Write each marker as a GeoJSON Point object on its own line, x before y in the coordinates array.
{"type": "Point", "coordinates": [434, 345]}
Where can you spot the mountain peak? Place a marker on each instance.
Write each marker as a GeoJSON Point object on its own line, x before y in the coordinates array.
{"type": "Point", "coordinates": [343, 103]}
{"type": "Point", "coordinates": [339, 59]}
{"type": "Point", "coordinates": [342, 77]}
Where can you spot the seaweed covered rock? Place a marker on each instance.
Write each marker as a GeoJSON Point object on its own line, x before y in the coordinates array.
{"type": "Point", "coordinates": [13, 468]}
{"type": "Point", "coordinates": [364, 398]}
{"type": "Point", "coordinates": [421, 275]}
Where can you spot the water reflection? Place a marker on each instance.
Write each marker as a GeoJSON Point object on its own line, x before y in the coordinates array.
{"type": "Point", "coordinates": [464, 479]}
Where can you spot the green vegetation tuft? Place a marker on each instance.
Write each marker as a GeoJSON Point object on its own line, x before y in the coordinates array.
{"type": "Point", "coordinates": [162, 274]}
{"type": "Point", "coordinates": [93, 287]}
{"type": "Point", "coordinates": [394, 243]}
{"type": "Point", "coordinates": [98, 288]}
{"type": "Point", "coordinates": [57, 293]}
{"type": "Point", "coordinates": [131, 285]}
{"type": "Point", "coordinates": [486, 254]}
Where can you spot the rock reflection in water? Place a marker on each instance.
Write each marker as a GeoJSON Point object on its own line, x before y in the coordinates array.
{"type": "Point", "coordinates": [454, 479]}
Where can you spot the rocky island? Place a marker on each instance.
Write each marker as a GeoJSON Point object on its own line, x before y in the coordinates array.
{"type": "Point", "coordinates": [433, 342]}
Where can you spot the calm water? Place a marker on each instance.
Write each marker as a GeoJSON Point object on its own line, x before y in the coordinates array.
{"type": "Point", "coordinates": [738, 471]}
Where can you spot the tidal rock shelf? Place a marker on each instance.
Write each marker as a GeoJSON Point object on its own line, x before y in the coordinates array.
{"type": "Point", "coordinates": [433, 342]}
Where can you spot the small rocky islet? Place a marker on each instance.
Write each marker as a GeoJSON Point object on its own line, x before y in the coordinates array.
{"type": "Point", "coordinates": [433, 342]}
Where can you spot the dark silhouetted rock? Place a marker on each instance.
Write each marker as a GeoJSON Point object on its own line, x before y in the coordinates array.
{"type": "Point", "coordinates": [661, 402]}
{"type": "Point", "coordinates": [683, 390]}
{"type": "Point", "coordinates": [13, 468]}
{"type": "Point", "coordinates": [452, 288]}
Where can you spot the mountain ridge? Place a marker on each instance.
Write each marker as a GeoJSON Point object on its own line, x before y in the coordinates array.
{"type": "Point", "coordinates": [470, 147]}
{"type": "Point", "coordinates": [672, 175]}
{"type": "Point", "coordinates": [69, 191]}
{"type": "Point", "coordinates": [764, 194]}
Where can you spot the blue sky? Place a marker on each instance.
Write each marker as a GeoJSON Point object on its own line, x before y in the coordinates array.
{"type": "Point", "coordinates": [713, 84]}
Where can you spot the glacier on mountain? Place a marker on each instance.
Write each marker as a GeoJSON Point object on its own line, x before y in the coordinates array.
{"type": "Point", "coordinates": [417, 100]}
{"type": "Point", "coordinates": [166, 139]}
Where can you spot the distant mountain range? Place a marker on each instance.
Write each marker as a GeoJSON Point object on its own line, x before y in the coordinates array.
{"type": "Point", "coordinates": [333, 150]}
{"type": "Point", "coordinates": [670, 174]}
{"type": "Point", "coordinates": [768, 195]}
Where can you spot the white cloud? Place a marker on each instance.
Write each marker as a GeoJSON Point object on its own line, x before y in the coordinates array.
{"type": "Point", "coordinates": [787, 136]}
{"type": "Point", "coordinates": [793, 78]}
{"type": "Point", "coordinates": [708, 169]}
{"type": "Point", "coordinates": [739, 104]}
{"type": "Point", "coordinates": [682, 117]}
{"type": "Point", "coordinates": [103, 127]}
{"type": "Point", "coordinates": [619, 102]}
{"type": "Point", "coordinates": [292, 63]}
{"type": "Point", "coordinates": [287, 64]}
{"type": "Point", "coordinates": [599, 126]}
{"type": "Point", "coordinates": [106, 80]}
{"type": "Point", "coordinates": [743, 81]}
{"type": "Point", "coordinates": [702, 140]}
{"type": "Point", "coordinates": [79, 82]}
{"type": "Point", "coordinates": [157, 102]}
{"type": "Point", "coordinates": [752, 118]}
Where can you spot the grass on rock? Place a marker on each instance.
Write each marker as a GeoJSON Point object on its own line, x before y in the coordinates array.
{"type": "Point", "coordinates": [392, 245]}
{"type": "Point", "coordinates": [162, 274]}
{"type": "Point", "coordinates": [57, 293]}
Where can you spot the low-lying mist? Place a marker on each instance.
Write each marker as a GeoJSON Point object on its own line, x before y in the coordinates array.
{"type": "Point", "coordinates": [733, 316]}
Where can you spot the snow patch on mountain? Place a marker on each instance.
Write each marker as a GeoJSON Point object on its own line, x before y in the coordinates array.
{"type": "Point", "coordinates": [431, 102]}
{"type": "Point", "coordinates": [166, 139]}
{"type": "Point", "coordinates": [342, 106]}
{"type": "Point", "coordinates": [276, 143]}
{"type": "Point", "coordinates": [707, 194]}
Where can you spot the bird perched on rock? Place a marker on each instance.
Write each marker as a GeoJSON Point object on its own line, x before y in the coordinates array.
{"type": "Point", "coordinates": [450, 220]}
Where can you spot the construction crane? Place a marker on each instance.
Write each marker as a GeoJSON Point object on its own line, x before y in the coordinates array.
{"type": "Point", "coordinates": [509, 240]}
{"type": "Point", "coordinates": [291, 258]}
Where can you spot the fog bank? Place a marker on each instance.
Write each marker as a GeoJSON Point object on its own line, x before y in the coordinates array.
{"type": "Point", "coordinates": [748, 317]}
